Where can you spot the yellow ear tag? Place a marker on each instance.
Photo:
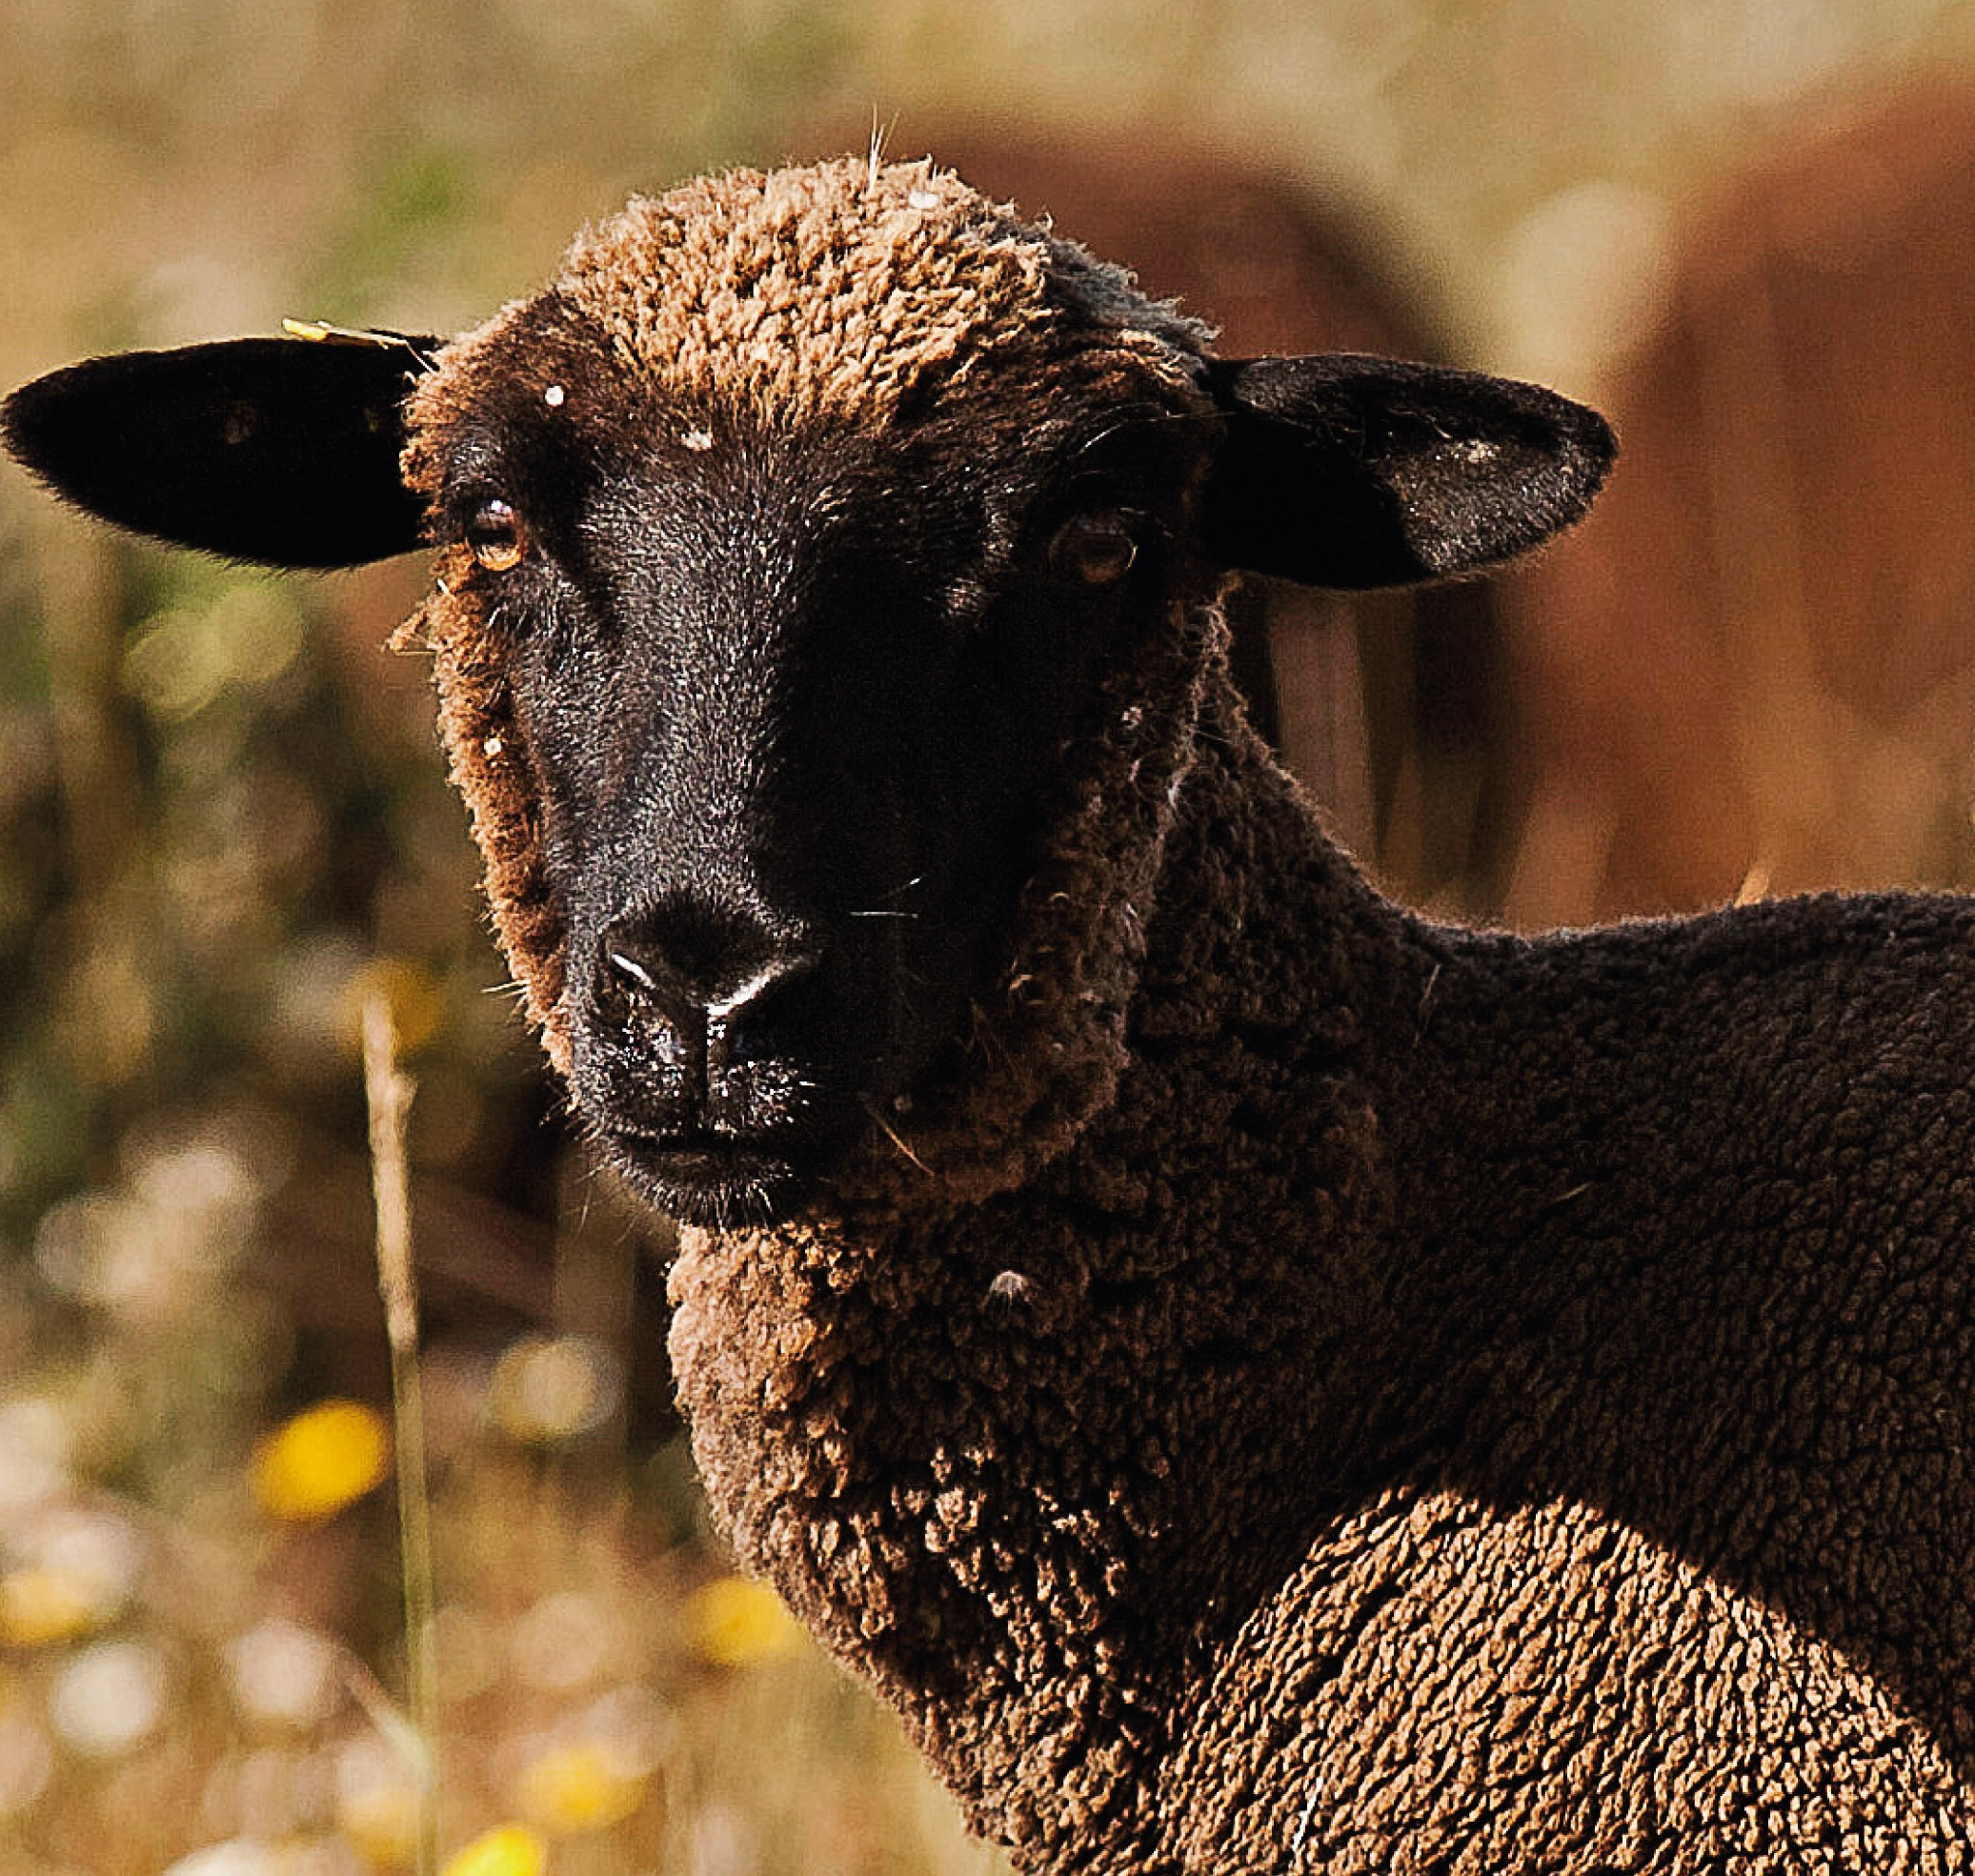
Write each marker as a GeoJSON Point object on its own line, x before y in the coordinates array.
{"type": "Point", "coordinates": [324, 334]}
{"type": "Point", "coordinates": [319, 331]}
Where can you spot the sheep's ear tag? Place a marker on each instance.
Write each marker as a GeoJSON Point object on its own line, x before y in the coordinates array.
{"type": "Point", "coordinates": [319, 331]}
{"type": "Point", "coordinates": [277, 450]}
{"type": "Point", "coordinates": [1348, 472]}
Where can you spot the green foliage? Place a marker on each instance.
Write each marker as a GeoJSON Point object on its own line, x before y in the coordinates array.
{"type": "Point", "coordinates": [413, 198]}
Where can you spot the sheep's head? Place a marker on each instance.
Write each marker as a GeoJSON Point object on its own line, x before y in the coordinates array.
{"type": "Point", "coordinates": [826, 567]}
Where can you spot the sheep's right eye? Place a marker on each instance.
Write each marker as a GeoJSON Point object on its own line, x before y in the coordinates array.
{"type": "Point", "coordinates": [495, 534]}
{"type": "Point", "coordinates": [1098, 549]}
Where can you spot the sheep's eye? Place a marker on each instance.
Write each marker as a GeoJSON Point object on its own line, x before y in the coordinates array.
{"type": "Point", "coordinates": [1098, 549]}
{"type": "Point", "coordinates": [494, 532]}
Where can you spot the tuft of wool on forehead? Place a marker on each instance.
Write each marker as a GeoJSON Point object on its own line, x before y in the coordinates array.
{"type": "Point", "coordinates": [834, 289]}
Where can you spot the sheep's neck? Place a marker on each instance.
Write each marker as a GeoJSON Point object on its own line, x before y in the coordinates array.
{"type": "Point", "coordinates": [1015, 1462]}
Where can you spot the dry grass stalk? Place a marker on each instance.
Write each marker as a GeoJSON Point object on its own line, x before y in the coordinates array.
{"type": "Point", "coordinates": [389, 1093]}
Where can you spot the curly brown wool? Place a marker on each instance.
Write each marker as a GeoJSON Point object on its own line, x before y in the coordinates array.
{"type": "Point", "coordinates": [1473, 1403]}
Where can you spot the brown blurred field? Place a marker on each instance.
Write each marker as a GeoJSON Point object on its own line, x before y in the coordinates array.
{"type": "Point", "coordinates": [1747, 227]}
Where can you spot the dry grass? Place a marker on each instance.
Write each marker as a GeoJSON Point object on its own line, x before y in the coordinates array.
{"type": "Point", "coordinates": [205, 1667]}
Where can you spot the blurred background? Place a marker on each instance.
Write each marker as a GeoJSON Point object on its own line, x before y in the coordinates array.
{"type": "Point", "coordinates": [1744, 227]}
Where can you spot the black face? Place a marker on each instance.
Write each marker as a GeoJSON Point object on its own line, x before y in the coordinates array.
{"type": "Point", "coordinates": [791, 704]}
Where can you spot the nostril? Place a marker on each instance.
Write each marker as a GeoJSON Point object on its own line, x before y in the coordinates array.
{"type": "Point", "coordinates": [631, 975]}
{"type": "Point", "coordinates": [742, 1021]}
{"type": "Point", "coordinates": [774, 976]}
{"type": "Point", "coordinates": [631, 980]}
{"type": "Point", "coordinates": [629, 967]}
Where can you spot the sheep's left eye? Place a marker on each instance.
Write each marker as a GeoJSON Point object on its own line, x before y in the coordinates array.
{"type": "Point", "coordinates": [495, 534]}
{"type": "Point", "coordinates": [1098, 549]}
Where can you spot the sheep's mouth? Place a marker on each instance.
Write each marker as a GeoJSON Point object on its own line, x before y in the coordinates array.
{"type": "Point", "coordinates": [717, 1180]}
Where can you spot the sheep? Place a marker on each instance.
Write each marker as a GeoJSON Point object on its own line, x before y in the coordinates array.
{"type": "Point", "coordinates": [1259, 1380]}
{"type": "Point", "coordinates": [1758, 662]}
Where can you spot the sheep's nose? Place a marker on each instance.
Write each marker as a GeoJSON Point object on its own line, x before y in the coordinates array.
{"type": "Point", "coordinates": [703, 978]}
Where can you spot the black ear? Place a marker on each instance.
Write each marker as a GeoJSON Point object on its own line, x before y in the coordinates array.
{"type": "Point", "coordinates": [1342, 471]}
{"type": "Point", "coordinates": [283, 451]}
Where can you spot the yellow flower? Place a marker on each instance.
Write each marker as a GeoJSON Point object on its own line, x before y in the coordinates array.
{"type": "Point", "coordinates": [38, 1606]}
{"type": "Point", "coordinates": [377, 1802]}
{"type": "Point", "coordinates": [510, 1850]}
{"type": "Point", "coordinates": [571, 1788]}
{"type": "Point", "coordinates": [323, 1458]}
{"type": "Point", "coordinates": [381, 1823]}
{"type": "Point", "coordinates": [731, 1622]}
